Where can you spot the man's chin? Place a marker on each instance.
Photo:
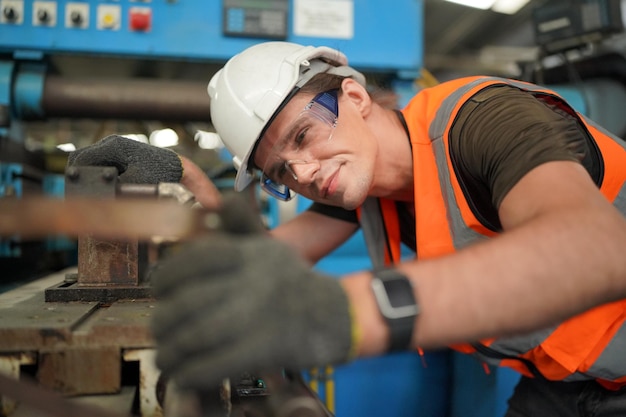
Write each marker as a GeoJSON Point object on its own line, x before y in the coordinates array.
{"type": "Point", "coordinates": [346, 202]}
{"type": "Point", "coordinates": [352, 202]}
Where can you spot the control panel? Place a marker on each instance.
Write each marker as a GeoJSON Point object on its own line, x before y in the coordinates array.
{"type": "Point", "coordinates": [44, 13]}
{"type": "Point", "coordinates": [215, 29]}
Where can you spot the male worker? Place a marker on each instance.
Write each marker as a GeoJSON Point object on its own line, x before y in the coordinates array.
{"type": "Point", "coordinates": [511, 200]}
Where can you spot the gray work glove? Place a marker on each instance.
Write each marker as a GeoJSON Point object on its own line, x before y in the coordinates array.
{"type": "Point", "coordinates": [136, 162]}
{"type": "Point", "coordinates": [240, 301]}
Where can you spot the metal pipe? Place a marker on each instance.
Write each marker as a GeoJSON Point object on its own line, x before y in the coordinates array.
{"type": "Point", "coordinates": [130, 99]}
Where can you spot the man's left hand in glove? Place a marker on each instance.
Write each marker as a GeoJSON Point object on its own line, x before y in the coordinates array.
{"type": "Point", "coordinates": [141, 163]}
{"type": "Point", "coordinates": [136, 162]}
{"type": "Point", "coordinates": [239, 302]}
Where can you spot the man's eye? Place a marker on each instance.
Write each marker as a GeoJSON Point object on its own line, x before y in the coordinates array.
{"type": "Point", "coordinates": [301, 136]}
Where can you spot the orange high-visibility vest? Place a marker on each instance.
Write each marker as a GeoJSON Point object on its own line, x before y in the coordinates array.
{"type": "Point", "coordinates": [591, 345]}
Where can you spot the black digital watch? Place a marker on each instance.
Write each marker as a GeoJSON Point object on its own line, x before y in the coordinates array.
{"type": "Point", "coordinates": [396, 301]}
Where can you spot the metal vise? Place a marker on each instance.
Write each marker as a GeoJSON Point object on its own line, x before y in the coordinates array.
{"type": "Point", "coordinates": [111, 270]}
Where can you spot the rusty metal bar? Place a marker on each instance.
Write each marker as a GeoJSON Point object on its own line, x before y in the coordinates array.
{"type": "Point", "coordinates": [107, 262]}
{"type": "Point", "coordinates": [38, 217]}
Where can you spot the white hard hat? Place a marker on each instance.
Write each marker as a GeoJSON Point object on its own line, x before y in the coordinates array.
{"type": "Point", "coordinates": [249, 89]}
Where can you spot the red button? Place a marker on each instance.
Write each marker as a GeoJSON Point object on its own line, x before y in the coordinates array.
{"type": "Point", "coordinates": [140, 21]}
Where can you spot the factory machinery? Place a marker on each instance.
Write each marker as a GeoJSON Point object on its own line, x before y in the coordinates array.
{"type": "Point", "coordinates": [75, 297]}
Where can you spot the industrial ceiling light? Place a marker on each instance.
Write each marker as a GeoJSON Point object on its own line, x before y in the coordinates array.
{"type": "Point", "coordinates": [66, 147]}
{"type": "Point", "coordinates": [478, 4]}
{"type": "Point", "coordinates": [500, 6]}
{"type": "Point", "coordinates": [164, 138]}
{"type": "Point", "coordinates": [509, 6]}
{"type": "Point", "coordinates": [208, 140]}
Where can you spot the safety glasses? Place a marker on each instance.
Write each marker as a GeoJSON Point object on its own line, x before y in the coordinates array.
{"type": "Point", "coordinates": [314, 125]}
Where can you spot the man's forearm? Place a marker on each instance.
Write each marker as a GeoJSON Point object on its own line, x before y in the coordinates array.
{"type": "Point", "coordinates": [523, 280]}
{"type": "Point", "coordinates": [502, 287]}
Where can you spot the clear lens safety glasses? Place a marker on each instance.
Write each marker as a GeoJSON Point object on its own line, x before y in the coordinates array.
{"type": "Point", "coordinates": [319, 120]}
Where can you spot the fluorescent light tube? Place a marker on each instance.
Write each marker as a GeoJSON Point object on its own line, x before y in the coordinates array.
{"type": "Point", "coordinates": [478, 4]}
{"type": "Point", "coordinates": [508, 6]}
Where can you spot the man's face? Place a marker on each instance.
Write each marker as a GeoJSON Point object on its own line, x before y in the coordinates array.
{"type": "Point", "coordinates": [320, 149]}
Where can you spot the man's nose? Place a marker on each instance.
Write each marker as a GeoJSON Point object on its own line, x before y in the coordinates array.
{"type": "Point", "coordinates": [304, 171]}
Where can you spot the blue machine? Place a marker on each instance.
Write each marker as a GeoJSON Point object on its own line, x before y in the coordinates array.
{"type": "Point", "coordinates": [192, 31]}
{"type": "Point", "coordinates": [214, 30]}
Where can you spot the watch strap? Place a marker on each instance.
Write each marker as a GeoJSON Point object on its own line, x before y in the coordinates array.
{"type": "Point", "coordinates": [396, 301]}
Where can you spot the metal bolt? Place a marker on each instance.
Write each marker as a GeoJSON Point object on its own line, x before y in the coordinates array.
{"type": "Point", "coordinates": [108, 176]}
{"type": "Point", "coordinates": [72, 174]}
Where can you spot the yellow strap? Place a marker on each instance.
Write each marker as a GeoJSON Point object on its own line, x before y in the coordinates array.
{"type": "Point", "coordinates": [330, 389]}
{"type": "Point", "coordinates": [426, 79]}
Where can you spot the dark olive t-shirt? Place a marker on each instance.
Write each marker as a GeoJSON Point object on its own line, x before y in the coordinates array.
{"type": "Point", "coordinates": [500, 135]}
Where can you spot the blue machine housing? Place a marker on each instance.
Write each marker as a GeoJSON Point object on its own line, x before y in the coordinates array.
{"type": "Point", "coordinates": [193, 30]}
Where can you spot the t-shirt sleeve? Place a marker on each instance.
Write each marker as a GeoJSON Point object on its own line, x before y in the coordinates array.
{"type": "Point", "coordinates": [507, 133]}
{"type": "Point", "coordinates": [335, 212]}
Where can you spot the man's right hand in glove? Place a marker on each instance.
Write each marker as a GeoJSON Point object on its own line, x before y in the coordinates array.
{"type": "Point", "coordinates": [239, 301]}
{"type": "Point", "coordinates": [140, 163]}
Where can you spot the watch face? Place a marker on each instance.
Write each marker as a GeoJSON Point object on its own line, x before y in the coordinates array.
{"type": "Point", "coordinates": [395, 297]}
{"type": "Point", "coordinates": [400, 293]}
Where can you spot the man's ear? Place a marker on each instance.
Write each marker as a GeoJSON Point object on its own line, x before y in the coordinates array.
{"type": "Point", "coordinates": [356, 93]}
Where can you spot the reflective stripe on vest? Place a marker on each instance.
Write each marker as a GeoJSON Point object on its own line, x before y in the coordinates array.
{"type": "Point", "coordinates": [429, 118]}
{"type": "Point", "coordinates": [612, 362]}
{"type": "Point", "coordinates": [381, 231]}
